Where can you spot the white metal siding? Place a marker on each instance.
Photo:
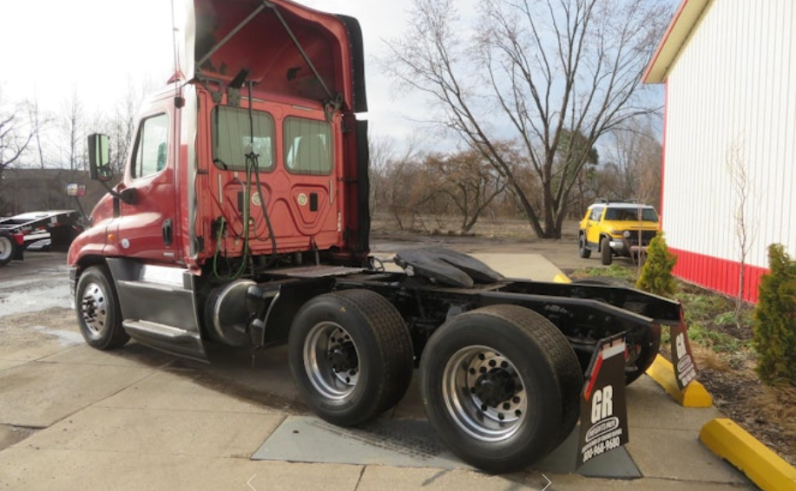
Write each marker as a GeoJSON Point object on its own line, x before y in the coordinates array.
{"type": "Point", "coordinates": [734, 83]}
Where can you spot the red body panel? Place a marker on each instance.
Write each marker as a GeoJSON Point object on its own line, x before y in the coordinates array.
{"type": "Point", "coordinates": [717, 274]}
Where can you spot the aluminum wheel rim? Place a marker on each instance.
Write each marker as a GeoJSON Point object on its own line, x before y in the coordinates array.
{"type": "Point", "coordinates": [94, 310]}
{"type": "Point", "coordinates": [465, 380]}
{"type": "Point", "coordinates": [5, 248]}
{"type": "Point", "coordinates": [322, 354]}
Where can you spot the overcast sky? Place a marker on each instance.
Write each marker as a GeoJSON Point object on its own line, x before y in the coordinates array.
{"type": "Point", "coordinates": [51, 48]}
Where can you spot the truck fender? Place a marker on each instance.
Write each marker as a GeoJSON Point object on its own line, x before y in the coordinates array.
{"type": "Point", "coordinates": [273, 305]}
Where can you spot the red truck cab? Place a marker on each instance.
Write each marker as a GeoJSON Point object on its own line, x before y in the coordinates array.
{"type": "Point", "coordinates": [252, 150]}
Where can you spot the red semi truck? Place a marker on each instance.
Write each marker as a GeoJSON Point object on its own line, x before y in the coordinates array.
{"type": "Point", "coordinates": [241, 220]}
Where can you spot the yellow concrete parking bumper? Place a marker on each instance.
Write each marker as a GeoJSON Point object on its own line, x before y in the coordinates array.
{"type": "Point", "coordinates": [694, 394]}
{"type": "Point", "coordinates": [760, 464]}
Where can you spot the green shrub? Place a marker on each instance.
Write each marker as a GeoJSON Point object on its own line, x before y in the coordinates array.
{"type": "Point", "coordinates": [775, 319]}
{"type": "Point", "coordinates": [656, 275]}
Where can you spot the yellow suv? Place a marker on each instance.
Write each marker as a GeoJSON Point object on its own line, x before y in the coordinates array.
{"type": "Point", "coordinates": [616, 229]}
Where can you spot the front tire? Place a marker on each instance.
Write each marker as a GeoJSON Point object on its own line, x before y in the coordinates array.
{"type": "Point", "coordinates": [8, 248]}
{"type": "Point", "coordinates": [98, 313]}
{"type": "Point", "coordinates": [605, 251]}
{"type": "Point", "coordinates": [350, 356]}
{"type": "Point", "coordinates": [501, 387]}
{"type": "Point", "coordinates": [583, 249]}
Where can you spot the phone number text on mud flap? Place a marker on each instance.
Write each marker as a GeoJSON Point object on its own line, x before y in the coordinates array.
{"type": "Point", "coordinates": [607, 442]}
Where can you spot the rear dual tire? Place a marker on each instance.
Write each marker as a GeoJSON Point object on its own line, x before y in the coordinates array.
{"type": "Point", "coordinates": [351, 356]}
{"type": "Point", "coordinates": [501, 385]}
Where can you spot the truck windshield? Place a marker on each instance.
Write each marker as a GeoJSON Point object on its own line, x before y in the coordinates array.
{"type": "Point", "coordinates": [232, 138]}
{"type": "Point", "coordinates": [631, 214]}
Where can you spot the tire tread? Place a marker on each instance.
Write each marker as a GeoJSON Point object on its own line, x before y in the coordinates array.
{"type": "Point", "coordinates": [393, 340]}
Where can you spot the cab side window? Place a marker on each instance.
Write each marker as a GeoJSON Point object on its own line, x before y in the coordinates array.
{"type": "Point", "coordinates": [151, 147]}
{"type": "Point", "coordinates": [596, 212]}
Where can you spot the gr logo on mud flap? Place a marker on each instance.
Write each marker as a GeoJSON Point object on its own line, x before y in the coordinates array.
{"type": "Point", "coordinates": [602, 405]}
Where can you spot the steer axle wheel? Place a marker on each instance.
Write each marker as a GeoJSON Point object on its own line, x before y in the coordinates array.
{"type": "Point", "coordinates": [98, 313]}
{"type": "Point", "coordinates": [501, 386]}
{"type": "Point", "coordinates": [351, 356]}
{"type": "Point", "coordinates": [8, 248]}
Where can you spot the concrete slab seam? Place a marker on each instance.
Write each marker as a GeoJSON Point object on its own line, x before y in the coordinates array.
{"type": "Point", "coordinates": [694, 395]}
{"type": "Point", "coordinates": [759, 463]}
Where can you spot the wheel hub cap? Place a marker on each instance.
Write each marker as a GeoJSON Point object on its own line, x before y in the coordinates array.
{"type": "Point", "coordinates": [331, 360]}
{"type": "Point", "coordinates": [484, 393]}
{"type": "Point", "coordinates": [94, 309]}
{"type": "Point", "coordinates": [494, 387]}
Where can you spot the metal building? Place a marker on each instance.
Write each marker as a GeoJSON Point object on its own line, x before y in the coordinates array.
{"type": "Point", "coordinates": [729, 68]}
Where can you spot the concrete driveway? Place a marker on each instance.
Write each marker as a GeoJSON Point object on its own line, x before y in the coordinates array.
{"type": "Point", "coordinates": [75, 418]}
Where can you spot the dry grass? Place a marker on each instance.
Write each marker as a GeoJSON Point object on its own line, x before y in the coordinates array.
{"type": "Point", "coordinates": [507, 228]}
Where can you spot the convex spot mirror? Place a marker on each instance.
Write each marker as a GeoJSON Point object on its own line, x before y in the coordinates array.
{"type": "Point", "coordinates": [99, 157]}
{"type": "Point", "coordinates": [75, 190]}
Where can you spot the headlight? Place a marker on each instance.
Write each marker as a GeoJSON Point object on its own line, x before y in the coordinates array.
{"type": "Point", "coordinates": [627, 234]}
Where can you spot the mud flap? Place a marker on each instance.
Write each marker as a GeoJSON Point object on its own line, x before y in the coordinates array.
{"type": "Point", "coordinates": [603, 406]}
{"type": "Point", "coordinates": [685, 370]}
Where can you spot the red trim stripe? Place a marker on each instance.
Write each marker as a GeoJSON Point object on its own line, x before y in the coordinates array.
{"type": "Point", "coordinates": [717, 274]}
{"type": "Point", "coordinates": [593, 378]}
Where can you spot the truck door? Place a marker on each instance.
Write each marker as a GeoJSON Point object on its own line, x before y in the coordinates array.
{"type": "Point", "coordinates": [593, 225]}
{"type": "Point", "coordinates": [146, 222]}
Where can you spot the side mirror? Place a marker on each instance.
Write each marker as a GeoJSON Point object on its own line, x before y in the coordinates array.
{"type": "Point", "coordinates": [99, 157]}
{"type": "Point", "coordinates": [76, 190]}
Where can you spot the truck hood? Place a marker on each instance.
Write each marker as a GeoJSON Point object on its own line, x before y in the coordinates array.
{"type": "Point", "coordinates": [222, 38]}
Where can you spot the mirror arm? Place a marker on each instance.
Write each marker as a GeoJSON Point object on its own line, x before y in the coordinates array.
{"type": "Point", "coordinates": [83, 217]}
{"type": "Point", "coordinates": [127, 196]}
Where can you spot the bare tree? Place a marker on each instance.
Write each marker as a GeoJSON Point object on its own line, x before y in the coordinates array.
{"type": "Point", "coordinates": [636, 154]}
{"type": "Point", "coordinates": [466, 180]}
{"type": "Point", "coordinates": [396, 179]}
{"type": "Point", "coordinates": [16, 135]}
{"type": "Point", "coordinates": [382, 152]}
{"type": "Point", "coordinates": [40, 121]}
{"type": "Point", "coordinates": [543, 67]}
{"type": "Point", "coordinates": [72, 122]}
{"type": "Point", "coordinates": [745, 225]}
{"type": "Point", "coordinates": [120, 123]}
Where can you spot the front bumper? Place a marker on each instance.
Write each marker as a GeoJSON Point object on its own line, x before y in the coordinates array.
{"type": "Point", "coordinates": [624, 246]}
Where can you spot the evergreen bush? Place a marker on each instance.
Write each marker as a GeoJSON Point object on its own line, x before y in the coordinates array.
{"type": "Point", "coordinates": [775, 319]}
{"type": "Point", "coordinates": [656, 275]}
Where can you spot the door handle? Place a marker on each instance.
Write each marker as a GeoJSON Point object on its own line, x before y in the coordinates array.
{"type": "Point", "coordinates": [167, 232]}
